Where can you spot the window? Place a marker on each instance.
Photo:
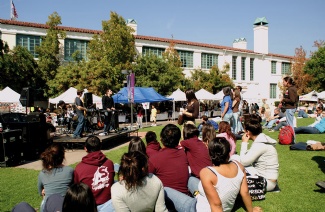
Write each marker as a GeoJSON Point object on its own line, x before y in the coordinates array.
{"type": "Point", "coordinates": [151, 50]}
{"type": "Point", "coordinates": [273, 67]}
{"type": "Point", "coordinates": [251, 69]}
{"type": "Point", "coordinates": [286, 69]}
{"type": "Point", "coordinates": [71, 46]}
{"type": "Point", "coordinates": [234, 68]}
{"type": "Point", "coordinates": [186, 58]}
{"type": "Point", "coordinates": [30, 42]}
{"type": "Point", "coordinates": [243, 62]}
{"type": "Point", "coordinates": [273, 91]}
{"type": "Point", "coordinates": [209, 60]}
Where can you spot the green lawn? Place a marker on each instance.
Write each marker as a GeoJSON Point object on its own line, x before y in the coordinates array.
{"type": "Point", "coordinates": [299, 170]}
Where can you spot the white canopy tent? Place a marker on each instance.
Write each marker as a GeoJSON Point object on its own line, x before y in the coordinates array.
{"type": "Point", "coordinates": [254, 95]}
{"type": "Point", "coordinates": [203, 94]}
{"type": "Point", "coordinates": [321, 95]}
{"type": "Point", "coordinates": [69, 96]}
{"type": "Point", "coordinates": [9, 96]}
{"type": "Point", "coordinates": [178, 95]}
{"type": "Point", "coordinates": [219, 95]}
{"type": "Point", "coordinates": [309, 97]}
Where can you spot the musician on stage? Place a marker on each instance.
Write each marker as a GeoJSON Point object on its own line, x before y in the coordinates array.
{"type": "Point", "coordinates": [80, 112]}
{"type": "Point", "coordinates": [108, 107]}
{"type": "Point", "coordinates": [60, 112]}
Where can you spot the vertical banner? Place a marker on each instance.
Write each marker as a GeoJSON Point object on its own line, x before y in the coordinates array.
{"type": "Point", "coordinates": [128, 78]}
{"type": "Point", "coordinates": [132, 81]}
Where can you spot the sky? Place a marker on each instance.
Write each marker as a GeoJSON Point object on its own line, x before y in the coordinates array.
{"type": "Point", "coordinates": [292, 23]}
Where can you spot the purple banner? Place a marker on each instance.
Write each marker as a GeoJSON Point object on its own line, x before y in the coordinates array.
{"type": "Point", "coordinates": [132, 86]}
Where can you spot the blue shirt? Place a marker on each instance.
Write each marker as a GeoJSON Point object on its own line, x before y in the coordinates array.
{"type": "Point", "coordinates": [226, 99]}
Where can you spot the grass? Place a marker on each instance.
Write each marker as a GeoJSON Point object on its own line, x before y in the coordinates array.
{"type": "Point", "coordinates": [299, 170]}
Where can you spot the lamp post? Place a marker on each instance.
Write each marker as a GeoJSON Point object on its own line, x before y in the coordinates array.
{"type": "Point", "coordinates": [130, 86]}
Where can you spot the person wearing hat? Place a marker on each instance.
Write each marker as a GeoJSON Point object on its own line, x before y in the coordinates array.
{"type": "Point", "coordinates": [80, 113]}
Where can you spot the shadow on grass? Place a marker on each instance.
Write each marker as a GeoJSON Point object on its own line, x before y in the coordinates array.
{"type": "Point", "coordinates": [321, 162]}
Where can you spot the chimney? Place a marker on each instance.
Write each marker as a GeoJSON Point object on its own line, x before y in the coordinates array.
{"type": "Point", "coordinates": [240, 43]}
{"type": "Point", "coordinates": [261, 36]}
{"type": "Point", "coordinates": [133, 24]}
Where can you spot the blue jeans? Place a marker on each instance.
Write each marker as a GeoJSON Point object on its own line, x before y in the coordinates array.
{"type": "Point", "coordinates": [307, 130]}
{"type": "Point", "coordinates": [228, 117]}
{"type": "Point", "coordinates": [290, 113]}
{"type": "Point", "coordinates": [269, 124]}
{"type": "Point", "coordinates": [106, 207]}
{"type": "Point", "coordinates": [80, 126]}
{"type": "Point", "coordinates": [280, 125]}
{"type": "Point", "coordinates": [235, 124]}
{"type": "Point", "coordinates": [193, 184]}
{"type": "Point", "coordinates": [302, 113]}
{"type": "Point", "coordinates": [177, 201]}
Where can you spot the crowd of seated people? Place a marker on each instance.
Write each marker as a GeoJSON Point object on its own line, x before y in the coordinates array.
{"type": "Point", "coordinates": [156, 175]}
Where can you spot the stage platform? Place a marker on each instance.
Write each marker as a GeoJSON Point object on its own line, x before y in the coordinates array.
{"type": "Point", "coordinates": [109, 140]}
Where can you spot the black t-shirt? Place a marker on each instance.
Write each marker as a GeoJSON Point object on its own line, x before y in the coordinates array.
{"type": "Point", "coordinates": [107, 102]}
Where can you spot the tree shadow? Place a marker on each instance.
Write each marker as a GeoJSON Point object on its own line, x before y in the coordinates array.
{"type": "Point", "coordinates": [321, 162]}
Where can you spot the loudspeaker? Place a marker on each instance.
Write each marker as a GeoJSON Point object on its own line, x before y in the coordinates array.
{"type": "Point", "coordinates": [88, 99]}
{"type": "Point", "coordinates": [10, 148]}
{"type": "Point", "coordinates": [27, 97]}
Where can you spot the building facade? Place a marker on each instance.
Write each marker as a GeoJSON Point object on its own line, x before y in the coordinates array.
{"type": "Point", "coordinates": [256, 69]}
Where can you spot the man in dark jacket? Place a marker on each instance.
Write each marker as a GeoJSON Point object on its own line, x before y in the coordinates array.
{"type": "Point", "coordinates": [97, 171]}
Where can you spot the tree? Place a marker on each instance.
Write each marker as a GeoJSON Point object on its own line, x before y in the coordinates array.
{"type": "Point", "coordinates": [49, 50]}
{"type": "Point", "coordinates": [316, 67]}
{"type": "Point", "coordinates": [110, 52]}
{"type": "Point", "coordinates": [301, 78]}
{"type": "Point", "coordinates": [19, 69]}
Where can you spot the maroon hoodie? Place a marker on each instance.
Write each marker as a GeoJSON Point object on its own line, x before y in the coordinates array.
{"type": "Point", "coordinates": [152, 148]}
{"type": "Point", "coordinates": [97, 171]}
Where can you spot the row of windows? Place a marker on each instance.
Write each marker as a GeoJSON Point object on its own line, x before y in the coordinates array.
{"type": "Point", "coordinates": [285, 68]}
{"type": "Point", "coordinates": [70, 46]}
{"type": "Point", "coordinates": [243, 68]}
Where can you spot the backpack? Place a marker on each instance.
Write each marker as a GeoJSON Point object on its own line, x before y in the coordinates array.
{"type": "Point", "coordinates": [286, 135]}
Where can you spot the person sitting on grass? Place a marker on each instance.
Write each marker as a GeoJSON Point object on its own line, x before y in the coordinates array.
{"type": "Point", "coordinates": [225, 131]}
{"type": "Point", "coordinates": [205, 120]}
{"type": "Point", "coordinates": [96, 171]}
{"type": "Point", "coordinates": [272, 120]}
{"type": "Point", "coordinates": [221, 183]}
{"type": "Point", "coordinates": [316, 128]}
{"type": "Point", "coordinates": [262, 158]}
{"type": "Point", "coordinates": [55, 178]}
{"type": "Point", "coordinates": [197, 154]}
{"type": "Point", "coordinates": [79, 198]}
{"type": "Point", "coordinates": [153, 146]}
{"type": "Point", "coordinates": [136, 144]}
{"type": "Point", "coordinates": [137, 190]}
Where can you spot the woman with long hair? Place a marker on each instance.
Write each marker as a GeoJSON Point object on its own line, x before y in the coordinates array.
{"type": "Point", "coordinates": [137, 190]}
{"type": "Point", "coordinates": [236, 111]}
{"type": "Point", "coordinates": [79, 198]}
{"type": "Point", "coordinates": [225, 131]}
{"type": "Point", "coordinates": [290, 101]}
{"type": "Point", "coordinates": [191, 111]}
{"type": "Point", "coordinates": [55, 178]}
{"type": "Point", "coordinates": [208, 133]}
{"type": "Point", "coordinates": [226, 105]}
{"type": "Point", "coordinates": [136, 144]}
{"type": "Point", "coordinates": [221, 183]}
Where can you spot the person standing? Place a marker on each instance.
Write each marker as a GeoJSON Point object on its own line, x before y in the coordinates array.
{"type": "Point", "coordinates": [96, 171]}
{"type": "Point", "coordinates": [236, 112]}
{"type": "Point", "coordinates": [226, 105]}
{"type": "Point", "coordinates": [140, 112]}
{"type": "Point", "coordinates": [289, 101]}
{"type": "Point", "coordinates": [192, 108]}
{"type": "Point", "coordinates": [153, 115]}
{"type": "Point", "coordinates": [108, 107]}
{"type": "Point", "coordinates": [80, 113]}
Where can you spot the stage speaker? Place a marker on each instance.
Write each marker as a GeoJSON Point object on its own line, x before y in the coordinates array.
{"type": "Point", "coordinates": [27, 97]}
{"type": "Point", "coordinates": [88, 99]}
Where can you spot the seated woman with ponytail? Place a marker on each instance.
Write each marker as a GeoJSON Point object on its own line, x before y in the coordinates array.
{"type": "Point", "coordinates": [137, 190]}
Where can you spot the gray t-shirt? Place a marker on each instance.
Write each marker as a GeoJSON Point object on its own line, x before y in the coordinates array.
{"type": "Point", "coordinates": [149, 197]}
{"type": "Point", "coordinates": [57, 181]}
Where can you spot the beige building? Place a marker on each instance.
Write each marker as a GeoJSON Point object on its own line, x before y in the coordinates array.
{"type": "Point", "coordinates": [255, 69]}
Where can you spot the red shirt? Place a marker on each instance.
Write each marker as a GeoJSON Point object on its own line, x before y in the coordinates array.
{"type": "Point", "coordinates": [152, 148]}
{"type": "Point", "coordinates": [197, 155]}
{"type": "Point", "coordinates": [96, 171]}
{"type": "Point", "coordinates": [170, 165]}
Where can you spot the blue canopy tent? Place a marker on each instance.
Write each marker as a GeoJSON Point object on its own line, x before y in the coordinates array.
{"type": "Point", "coordinates": [141, 95]}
